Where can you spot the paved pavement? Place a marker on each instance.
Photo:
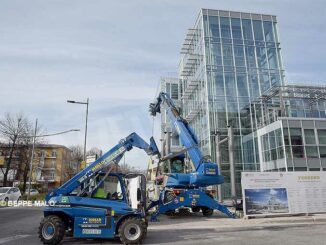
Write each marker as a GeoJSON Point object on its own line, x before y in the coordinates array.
{"type": "Point", "coordinates": [19, 226]}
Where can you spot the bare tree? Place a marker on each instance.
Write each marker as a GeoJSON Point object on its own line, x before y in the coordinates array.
{"type": "Point", "coordinates": [94, 151]}
{"type": "Point", "coordinates": [77, 154]}
{"type": "Point", "coordinates": [125, 168]}
{"type": "Point", "coordinates": [12, 129]}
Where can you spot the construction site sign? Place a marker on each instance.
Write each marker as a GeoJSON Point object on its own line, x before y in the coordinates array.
{"type": "Point", "coordinates": [276, 193]}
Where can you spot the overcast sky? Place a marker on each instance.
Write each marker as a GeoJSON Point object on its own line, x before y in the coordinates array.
{"type": "Point", "coordinates": [114, 52]}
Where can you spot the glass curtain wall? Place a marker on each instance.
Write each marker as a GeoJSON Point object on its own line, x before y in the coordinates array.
{"type": "Point", "coordinates": [228, 60]}
{"type": "Point", "coordinates": [242, 62]}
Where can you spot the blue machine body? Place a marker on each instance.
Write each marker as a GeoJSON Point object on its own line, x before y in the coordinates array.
{"type": "Point", "coordinates": [94, 217]}
{"type": "Point", "coordinates": [192, 185]}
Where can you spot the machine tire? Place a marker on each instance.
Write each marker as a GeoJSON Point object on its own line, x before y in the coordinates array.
{"type": "Point", "coordinates": [51, 222]}
{"type": "Point", "coordinates": [195, 209]}
{"type": "Point", "coordinates": [132, 231]}
{"type": "Point", "coordinates": [170, 213]}
{"type": "Point", "coordinates": [207, 212]}
{"type": "Point", "coordinates": [184, 211]}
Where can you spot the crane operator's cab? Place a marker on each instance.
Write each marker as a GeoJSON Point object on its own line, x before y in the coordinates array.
{"type": "Point", "coordinates": [173, 177]}
{"type": "Point", "coordinates": [175, 165]}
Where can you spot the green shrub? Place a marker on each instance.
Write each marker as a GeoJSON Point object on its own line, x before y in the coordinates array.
{"type": "Point", "coordinates": [38, 197]}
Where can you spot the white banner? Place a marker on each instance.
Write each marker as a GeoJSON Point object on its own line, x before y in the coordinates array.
{"type": "Point", "coordinates": [270, 193]}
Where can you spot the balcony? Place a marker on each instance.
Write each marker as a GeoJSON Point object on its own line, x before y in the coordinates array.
{"type": "Point", "coordinates": [53, 156]}
{"type": "Point", "coordinates": [46, 178]}
{"type": "Point", "coordinates": [46, 168]}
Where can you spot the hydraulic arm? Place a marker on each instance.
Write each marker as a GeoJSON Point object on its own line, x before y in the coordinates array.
{"type": "Point", "coordinates": [112, 156]}
{"type": "Point", "coordinates": [186, 189]}
{"type": "Point", "coordinates": [206, 173]}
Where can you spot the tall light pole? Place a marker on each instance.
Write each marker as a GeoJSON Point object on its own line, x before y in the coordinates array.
{"type": "Point", "coordinates": [34, 136]}
{"type": "Point", "coordinates": [83, 103]}
{"type": "Point", "coordinates": [31, 163]}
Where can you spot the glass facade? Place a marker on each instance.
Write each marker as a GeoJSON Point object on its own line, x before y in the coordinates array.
{"type": "Point", "coordinates": [229, 60]}
{"type": "Point", "coordinates": [293, 144]}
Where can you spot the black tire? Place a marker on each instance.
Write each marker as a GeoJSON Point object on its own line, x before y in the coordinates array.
{"type": "Point", "coordinates": [184, 211]}
{"type": "Point", "coordinates": [132, 231]}
{"type": "Point", "coordinates": [56, 224]}
{"type": "Point", "coordinates": [170, 213]}
{"type": "Point", "coordinates": [207, 212]}
{"type": "Point", "coordinates": [195, 209]}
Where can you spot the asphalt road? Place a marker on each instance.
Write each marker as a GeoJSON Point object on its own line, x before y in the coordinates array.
{"type": "Point", "coordinates": [19, 226]}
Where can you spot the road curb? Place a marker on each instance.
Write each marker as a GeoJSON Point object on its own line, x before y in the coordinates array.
{"type": "Point", "coordinates": [227, 223]}
{"type": "Point", "coordinates": [304, 219]}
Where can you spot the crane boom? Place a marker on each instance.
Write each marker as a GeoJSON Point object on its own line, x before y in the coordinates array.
{"type": "Point", "coordinates": [186, 134]}
{"type": "Point", "coordinates": [206, 173]}
{"type": "Point", "coordinates": [112, 156]}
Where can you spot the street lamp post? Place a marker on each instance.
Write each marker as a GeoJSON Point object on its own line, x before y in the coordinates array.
{"type": "Point", "coordinates": [31, 163]}
{"type": "Point", "coordinates": [83, 103]}
{"type": "Point", "coordinates": [34, 136]}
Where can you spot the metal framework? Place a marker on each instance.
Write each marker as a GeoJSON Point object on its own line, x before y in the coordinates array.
{"type": "Point", "coordinates": [277, 100]}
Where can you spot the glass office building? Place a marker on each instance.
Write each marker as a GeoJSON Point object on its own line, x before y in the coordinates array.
{"type": "Point", "coordinates": [229, 59]}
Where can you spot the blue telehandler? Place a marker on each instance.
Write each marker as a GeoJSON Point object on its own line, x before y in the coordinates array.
{"type": "Point", "coordinates": [186, 189]}
{"type": "Point", "coordinates": [96, 202]}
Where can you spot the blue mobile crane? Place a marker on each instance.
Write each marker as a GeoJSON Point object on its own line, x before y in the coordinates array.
{"type": "Point", "coordinates": [184, 189]}
{"type": "Point", "coordinates": [95, 203]}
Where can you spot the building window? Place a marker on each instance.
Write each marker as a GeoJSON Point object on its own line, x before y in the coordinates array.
{"type": "Point", "coordinates": [247, 29]}
{"type": "Point", "coordinates": [261, 57]}
{"type": "Point", "coordinates": [250, 55]}
{"type": "Point", "coordinates": [288, 152]}
{"type": "Point", "coordinates": [175, 141]}
{"type": "Point", "coordinates": [239, 56]}
{"type": "Point", "coordinates": [214, 27]}
{"type": "Point", "coordinates": [174, 91]}
{"type": "Point", "coordinates": [42, 154]}
{"type": "Point", "coordinates": [296, 136]}
{"type": "Point", "coordinates": [51, 175]}
{"type": "Point", "coordinates": [272, 59]}
{"type": "Point", "coordinates": [54, 153]}
{"type": "Point", "coordinates": [322, 151]}
{"type": "Point", "coordinates": [321, 136]}
{"type": "Point", "coordinates": [297, 151]}
{"type": "Point", "coordinates": [216, 54]}
{"type": "Point", "coordinates": [309, 136]}
{"type": "Point", "coordinates": [311, 151]}
{"type": "Point", "coordinates": [268, 31]}
{"type": "Point", "coordinates": [236, 28]}
{"type": "Point", "coordinates": [227, 55]}
{"type": "Point", "coordinates": [258, 30]}
{"type": "Point", "coordinates": [296, 142]}
{"type": "Point", "coordinates": [225, 28]}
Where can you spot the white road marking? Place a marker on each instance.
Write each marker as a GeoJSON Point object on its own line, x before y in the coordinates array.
{"type": "Point", "coordinates": [12, 238]}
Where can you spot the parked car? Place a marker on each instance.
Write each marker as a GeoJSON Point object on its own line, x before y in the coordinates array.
{"type": "Point", "coordinates": [9, 194]}
{"type": "Point", "coordinates": [33, 192]}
